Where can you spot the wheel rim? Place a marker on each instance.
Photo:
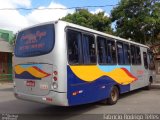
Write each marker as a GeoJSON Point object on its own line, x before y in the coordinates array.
{"type": "Point", "coordinates": [114, 95]}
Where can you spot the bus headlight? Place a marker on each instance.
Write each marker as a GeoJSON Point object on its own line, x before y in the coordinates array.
{"type": "Point", "coordinates": [54, 85]}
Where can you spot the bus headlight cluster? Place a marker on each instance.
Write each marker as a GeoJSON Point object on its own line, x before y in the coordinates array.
{"type": "Point", "coordinates": [55, 79]}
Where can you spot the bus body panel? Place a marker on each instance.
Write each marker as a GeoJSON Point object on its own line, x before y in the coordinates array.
{"type": "Point", "coordinates": [82, 92]}
{"type": "Point", "coordinates": [144, 75]}
{"type": "Point", "coordinates": [138, 70]}
{"type": "Point", "coordinates": [25, 80]}
{"type": "Point", "coordinates": [61, 56]}
{"type": "Point", "coordinates": [58, 64]}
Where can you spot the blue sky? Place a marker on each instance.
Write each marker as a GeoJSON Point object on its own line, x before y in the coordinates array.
{"type": "Point", "coordinates": [17, 19]}
{"type": "Point", "coordinates": [71, 3]}
{"type": "Point", "coordinates": [75, 3]}
{"type": "Point", "coordinates": [89, 3]}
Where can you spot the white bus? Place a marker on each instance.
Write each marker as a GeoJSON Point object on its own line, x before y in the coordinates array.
{"type": "Point", "coordinates": [60, 63]}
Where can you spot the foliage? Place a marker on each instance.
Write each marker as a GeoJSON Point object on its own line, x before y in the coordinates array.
{"type": "Point", "coordinates": [138, 20]}
{"type": "Point", "coordinates": [97, 21]}
{"type": "Point", "coordinates": [12, 41]}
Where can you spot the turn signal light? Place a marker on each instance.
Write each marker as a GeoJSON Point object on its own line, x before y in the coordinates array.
{"type": "Point", "coordinates": [55, 73]}
{"type": "Point", "coordinates": [55, 78]}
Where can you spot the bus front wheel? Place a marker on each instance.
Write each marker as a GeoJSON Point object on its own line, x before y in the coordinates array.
{"type": "Point", "coordinates": [148, 87]}
{"type": "Point", "coordinates": [114, 96]}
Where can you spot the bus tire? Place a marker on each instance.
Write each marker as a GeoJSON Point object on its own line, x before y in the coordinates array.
{"type": "Point", "coordinates": [114, 96]}
{"type": "Point", "coordinates": [148, 87]}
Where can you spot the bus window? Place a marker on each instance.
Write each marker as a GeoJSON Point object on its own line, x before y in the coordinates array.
{"type": "Point", "coordinates": [89, 50]}
{"type": "Point", "coordinates": [127, 54]}
{"type": "Point", "coordinates": [138, 56]}
{"type": "Point", "coordinates": [120, 53]}
{"type": "Point", "coordinates": [102, 57]}
{"type": "Point", "coordinates": [35, 41]}
{"type": "Point", "coordinates": [74, 47]}
{"type": "Point", "coordinates": [111, 52]}
{"type": "Point", "coordinates": [145, 60]}
{"type": "Point", "coordinates": [133, 55]}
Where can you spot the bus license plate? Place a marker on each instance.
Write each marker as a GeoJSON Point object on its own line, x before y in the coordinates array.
{"type": "Point", "coordinates": [30, 83]}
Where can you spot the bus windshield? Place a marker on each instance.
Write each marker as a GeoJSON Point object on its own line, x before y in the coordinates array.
{"type": "Point", "coordinates": [35, 41]}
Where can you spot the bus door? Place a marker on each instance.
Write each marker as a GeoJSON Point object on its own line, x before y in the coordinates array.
{"type": "Point", "coordinates": [151, 64]}
{"type": "Point", "coordinates": [146, 67]}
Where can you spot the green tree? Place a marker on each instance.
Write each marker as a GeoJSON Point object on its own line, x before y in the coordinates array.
{"type": "Point", "coordinates": [97, 21]}
{"type": "Point", "coordinates": [138, 20]}
{"type": "Point", "coordinates": [12, 41]}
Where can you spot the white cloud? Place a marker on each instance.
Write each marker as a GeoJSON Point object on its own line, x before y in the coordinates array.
{"type": "Point", "coordinates": [38, 16]}
{"type": "Point", "coordinates": [100, 10]}
{"type": "Point", "coordinates": [13, 20]}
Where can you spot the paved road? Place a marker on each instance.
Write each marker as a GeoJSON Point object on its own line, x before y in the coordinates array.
{"type": "Point", "coordinates": [139, 101]}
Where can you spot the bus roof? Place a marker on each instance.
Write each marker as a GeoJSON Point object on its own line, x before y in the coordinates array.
{"type": "Point", "coordinates": [89, 30]}
{"type": "Point", "coordinates": [101, 33]}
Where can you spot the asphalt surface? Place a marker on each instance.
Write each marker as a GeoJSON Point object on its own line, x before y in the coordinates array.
{"type": "Point", "coordinates": [136, 102]}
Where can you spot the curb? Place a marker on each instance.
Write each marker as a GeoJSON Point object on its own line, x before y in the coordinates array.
{"type": "Point", "coordinates": [155, 86]}
{"type": "Point", "coordinates": [6, 85]}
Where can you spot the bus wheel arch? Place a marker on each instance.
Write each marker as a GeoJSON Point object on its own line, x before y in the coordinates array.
{"type": "Point", "coordinates": [151, 79]}
{"type": "Point", "coordinates": [148, 87]}
{"type": "Point", "coordinates": [113, 96]}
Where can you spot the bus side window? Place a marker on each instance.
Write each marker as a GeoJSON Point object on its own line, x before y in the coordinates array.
{"type": "Point", "coordinates": [74, 47]}
{"type": "Point", "coordinates": [145, 60]}
{"type": "Point", "coordinates": [111, 52]}
{"type": "Point", "coordinates": [127, 57]}
{"type": "Point", "coordinates": [102, 51]}
{"type": "Point", "coordinates": [89, 49]}
{"type": "Point", "coordinates": [133, 55]}
{"type": "Point", "coordinates": [120, 53]}
{"type": "Point", "coordinates": [138, 56]}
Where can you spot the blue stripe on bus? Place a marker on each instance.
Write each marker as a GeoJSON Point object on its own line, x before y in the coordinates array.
{"type": "Point", "coordinates": [26, 75]}
{"type": "Point", "coordinates": [81, 92]}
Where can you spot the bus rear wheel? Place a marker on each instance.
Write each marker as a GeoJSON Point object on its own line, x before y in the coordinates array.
{"type": "Point", "coordinates": [114, 96]}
